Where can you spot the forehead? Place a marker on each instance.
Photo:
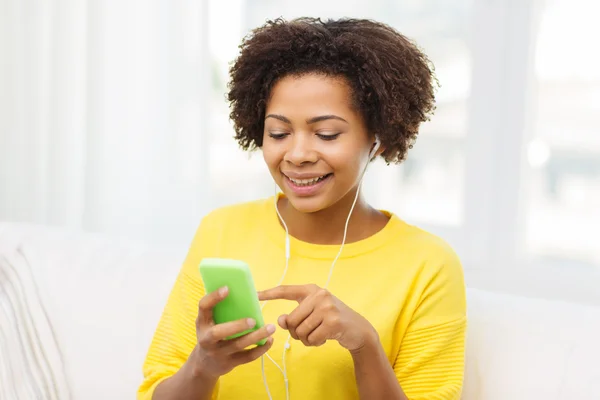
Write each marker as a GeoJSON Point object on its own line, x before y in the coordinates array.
{"type": "Point", "coordinates": [311, 94]}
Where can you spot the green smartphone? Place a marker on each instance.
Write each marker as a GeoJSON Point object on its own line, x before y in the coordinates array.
{"type": "Point", "coordinates": [242, 300]}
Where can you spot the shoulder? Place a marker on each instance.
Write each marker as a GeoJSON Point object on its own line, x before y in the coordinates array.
{"type": "Point", "coordinates": [234, 222]}
{"type": "Point", "coordinates": [238, 213]}
{"type": "Point", "coordinates": [226, 224]}
{"type": "Point", "coordinates": [424, 256]}
{"type": "Point", "coordinates": [423, 244]}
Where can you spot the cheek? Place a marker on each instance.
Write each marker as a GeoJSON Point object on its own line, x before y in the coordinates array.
{"type": "Point", "coordinates": [271, 157]}
{"type": "Point", "coordinates": [350, 175]}
{"type": "Point", "coordinates": [346, 166]}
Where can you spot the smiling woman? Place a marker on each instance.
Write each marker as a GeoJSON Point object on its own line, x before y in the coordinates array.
{"type": "Point", "coordinates": [368, 305]}
{"type": "Point", "coordinates": [317, 145]}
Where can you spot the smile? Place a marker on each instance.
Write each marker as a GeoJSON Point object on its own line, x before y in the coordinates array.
{"type": "Point", "coordinates": [307, 187]}
{"type": "Point", "coordinates": [309, 181]}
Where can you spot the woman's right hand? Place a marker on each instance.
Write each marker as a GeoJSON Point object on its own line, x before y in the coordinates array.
{"type": "Point", "coordinates": [214, 355]}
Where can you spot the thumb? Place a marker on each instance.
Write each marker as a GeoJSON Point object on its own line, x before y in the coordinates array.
{"type": "Point", "coordinates": [282, 321]}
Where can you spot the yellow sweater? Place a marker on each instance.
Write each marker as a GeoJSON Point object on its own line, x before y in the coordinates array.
{"type": "Point", "coordinates": [406, 282]}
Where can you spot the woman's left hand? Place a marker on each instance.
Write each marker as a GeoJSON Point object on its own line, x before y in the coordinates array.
{"type": "Point", "coordinates": [320, 316]}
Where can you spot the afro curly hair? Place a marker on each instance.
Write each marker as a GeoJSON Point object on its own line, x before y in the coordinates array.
{"type": "Point", "coordinates": [391, 79]}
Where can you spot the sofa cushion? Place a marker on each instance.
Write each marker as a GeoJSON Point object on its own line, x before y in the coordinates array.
{"type": "Point", "coordinates": [524, 349]}
{"type": "Point", "coordinates": [104, 297]}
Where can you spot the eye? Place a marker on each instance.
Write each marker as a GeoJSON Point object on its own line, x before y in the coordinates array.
{"type": "Point", "coordinates": [328, 137]}
{"type": "Point", "coordinates": [277, 135]}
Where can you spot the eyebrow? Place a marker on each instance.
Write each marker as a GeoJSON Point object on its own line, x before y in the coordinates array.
{"type": "Point", "coordinates": [308, 121]}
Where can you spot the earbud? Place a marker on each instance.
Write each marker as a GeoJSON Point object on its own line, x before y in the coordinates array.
{"type": "Point", "coordinates": [376, 146]}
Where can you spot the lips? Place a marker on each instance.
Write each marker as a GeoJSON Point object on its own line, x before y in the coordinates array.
{"type": "Point", "coordinates": [307, 181]}
{"type": "Point", "coordinates": [306, 185]}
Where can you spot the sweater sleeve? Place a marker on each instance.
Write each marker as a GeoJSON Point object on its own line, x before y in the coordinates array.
{"type": "Point", "coordinates": [175, 337]}
{"type": "Point", "coordinates": [431, 358]}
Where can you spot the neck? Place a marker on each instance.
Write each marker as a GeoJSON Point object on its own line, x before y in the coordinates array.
{"type": "Point", "coordinates": [327, 226]}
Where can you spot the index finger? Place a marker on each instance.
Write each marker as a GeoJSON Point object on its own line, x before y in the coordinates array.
{"type": "Point", "coordinates": [208, 302]}
{"type": "Point", "coordinates": [285, 292]}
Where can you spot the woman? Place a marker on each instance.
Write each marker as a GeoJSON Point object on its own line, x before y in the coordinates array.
{"type": "Point", "coordinates": [367, 307]}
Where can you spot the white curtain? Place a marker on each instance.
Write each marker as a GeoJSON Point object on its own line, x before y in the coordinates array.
{"type": "Point", "coordinates": [102, 115]}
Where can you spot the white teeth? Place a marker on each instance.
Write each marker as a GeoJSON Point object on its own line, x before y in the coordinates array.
{"type": "Point", "coordinates": [306, 182]}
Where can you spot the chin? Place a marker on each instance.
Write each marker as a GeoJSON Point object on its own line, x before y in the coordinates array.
{"type": "Point", "coordinates": [307, 205]}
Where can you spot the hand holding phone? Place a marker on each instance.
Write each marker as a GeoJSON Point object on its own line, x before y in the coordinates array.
{"type": "Point", "coordinates": [242, 301]}
{"type": "Point", "coordinates": [228, 321]}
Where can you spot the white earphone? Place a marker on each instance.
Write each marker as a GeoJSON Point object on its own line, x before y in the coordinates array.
{"type": "Point", "coordinates": [376, 146]}
{"type": "Point", "coordinates": [287, 345]}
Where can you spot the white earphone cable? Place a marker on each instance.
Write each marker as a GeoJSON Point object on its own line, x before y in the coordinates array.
{"type": "Point", "coordinates": [287, 258]}
{"type": "Point", "coordinates": [285, 347]}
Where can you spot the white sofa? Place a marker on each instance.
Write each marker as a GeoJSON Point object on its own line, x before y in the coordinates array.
{"type": "Point", "coordinates": [103, 298]}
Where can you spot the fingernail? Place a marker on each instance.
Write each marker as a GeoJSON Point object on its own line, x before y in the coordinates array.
{"type": "Point", "coordinates": [270, 329]}
{"type": "Point", "coordinates": [223, 290]}
{"type": "Point", "coordinates": [251, 322]}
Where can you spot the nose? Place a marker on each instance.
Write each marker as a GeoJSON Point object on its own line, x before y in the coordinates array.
{"type": "Point", "coordinates": [300, 151]}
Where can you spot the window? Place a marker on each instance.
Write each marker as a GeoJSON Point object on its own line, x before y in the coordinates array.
{"type": "Point", "coordinates": [430, 183]}
{"type": "Point", "coordinates": [563, 208]}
